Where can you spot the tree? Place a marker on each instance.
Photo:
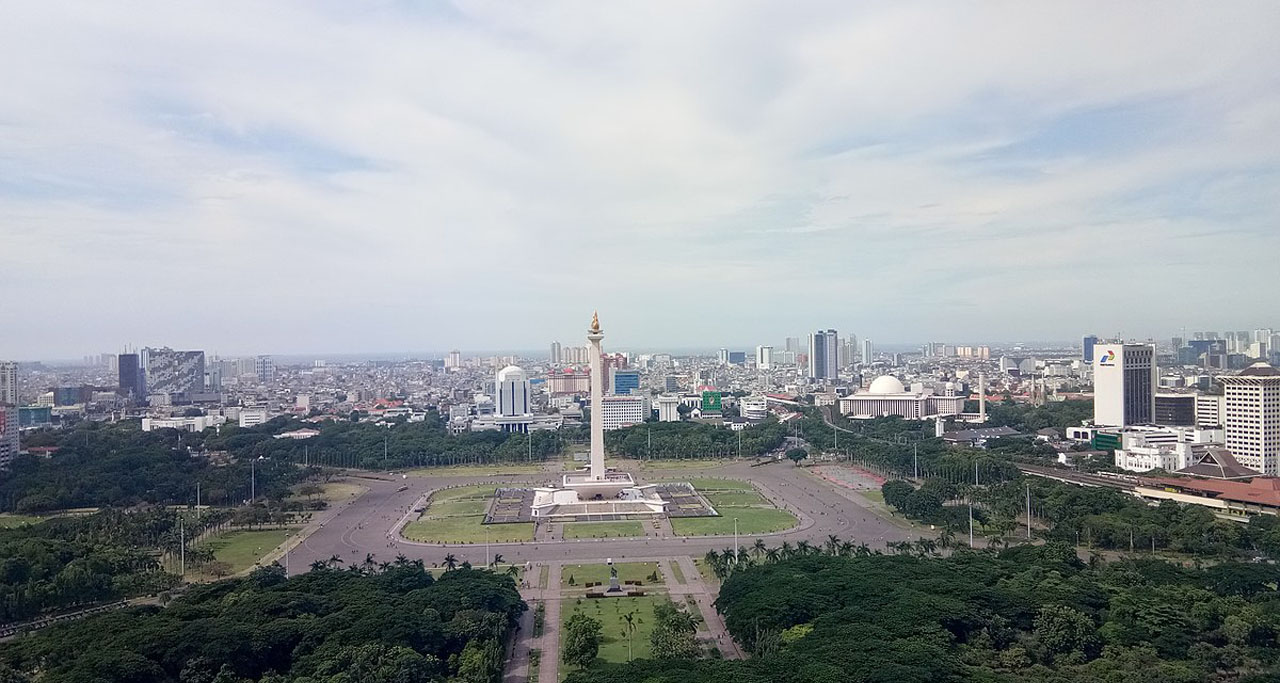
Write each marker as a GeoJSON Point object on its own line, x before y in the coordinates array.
{"type": "Point", "coordinates": [582, 640]}
{"type": "Point", "coordinates": [797, 454]}
{"type": "Point", "coordinates": [1063, 630]}
{"type": "Point", "coordinates": [630, 619]}
{"type": "Point", "coordinates": [673, 634]}
{"type": "Point", "coordinates": [450, 562]}
{"type": "Point", "coordinates": [218, 569]}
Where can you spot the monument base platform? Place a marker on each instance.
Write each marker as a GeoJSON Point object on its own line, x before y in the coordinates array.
{"type": "Point", "coordinates": [583, 497]}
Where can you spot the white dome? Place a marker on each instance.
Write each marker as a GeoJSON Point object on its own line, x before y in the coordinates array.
{"type": "Point", "coordinates": [512, 373]}
{"type": "Point", "coordinates": [886, 384]}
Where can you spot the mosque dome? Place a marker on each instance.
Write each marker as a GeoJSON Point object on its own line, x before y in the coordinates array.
{"type": "Point", "coordinates": [886, 384]}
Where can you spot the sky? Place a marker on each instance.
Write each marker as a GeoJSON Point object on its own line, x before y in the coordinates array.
{"type": "Point", "coordinates": [297, 177]}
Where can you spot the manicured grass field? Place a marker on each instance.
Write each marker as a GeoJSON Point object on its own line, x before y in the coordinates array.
{"type": "Point", "coordinates": [241, 549]}
{"type": "Point", "coordinates": [481, 491]}
{"type": "Point", "coordinates": [721, 499]}
{"type": "Point", "coordinates": [873, 495]}
{"type": "Point", "coordinates": [599, 572]}
{"type": "Point", "coordinates": [603, 529]}
{"type": "Point", "coordinates": [458, 508]}
{"type": "Point", "coordinates": [609, 612]}
{"type": "Point", "coordinates": [474, 470]}
{"type": "Point", "coordinates": [677, 572]}
{"type": "Point", "coordinates": [10, 521]}
{"type": "Point", "coordinates": [707, 575]}
{"type": "Point", "coordinates": [456, 515]}
{"type": "Point", "coordinates": [466, 530]}
{"type": "Point", "coordinates": [705, 484]}
{"type": "Point", "coordinates": [751, 520]}
{"type": "Point", "coordinates": [692, 464]}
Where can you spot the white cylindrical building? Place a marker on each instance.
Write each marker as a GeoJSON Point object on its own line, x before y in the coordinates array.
{"type": "Point", "coordinates": [513, 391]}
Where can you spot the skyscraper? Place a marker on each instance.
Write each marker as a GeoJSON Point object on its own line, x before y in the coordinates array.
{"type": "Point", "coordinates": [1251, 417]}
{"type": "Point", "coordinates": [555, 353]}
{"type": "Point", "coordinates": [764, 357]}
{"type": "Point", "coordinates": [824, 355]}
{"type": "Point", "coordinates": [9, 382]}
{"type": "Point", "coordinates": [1124, 381]}
{"type": "Point", "coordinates": [129, 371]}
{"type": "Point", "coordinates": [1086, 348]}
{"type": "Point", "coordinates": [868, 352]}
{"type": "Point", "coordinates": [722, 357]}
{"type": "Point", "coordinates": [9, 444]}
{"type": "Point", "coordinates": [265, 368]}
{"type": "Point", "coordinates": [173, 372]}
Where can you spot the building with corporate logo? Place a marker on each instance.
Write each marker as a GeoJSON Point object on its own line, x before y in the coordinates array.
{"type": "Point", "coordinates": [1124, 383]}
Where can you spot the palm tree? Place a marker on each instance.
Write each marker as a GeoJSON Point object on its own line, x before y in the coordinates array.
{"type": "Point", "coordinates": [629, 630]}
{"type": "Point", "coordinates": [846, 548]}
{"type": "Point", "coordinates": [450, 562]}
{"type": "Point", "coordinates": [497, 560]}
{"type": "Point", "coordinates": [512, 571]}
{"type": "Point", "coordinates": [334, 560]}
{"type": "Point", "coordinates": [832, 544]}
{"type": "Point", "coordinates": [758, 547]}
{"type": "Point", "coordinates": [786, 551]}
{"type": "Point", "coordinates": [947, 538]}
{"type": "Point", "coordinates": [803, 548]}
{"type": "Point", "coordinates": [927, 546]}
{"type": "Point", "coordinates": [772, 555]}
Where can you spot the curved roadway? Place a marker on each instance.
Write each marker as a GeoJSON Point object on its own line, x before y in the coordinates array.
{"type": "Point", "coordinates": [370, 523]}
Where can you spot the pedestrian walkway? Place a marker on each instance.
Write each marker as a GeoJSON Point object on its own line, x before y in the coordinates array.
{"type": "Point", "coordinates": [549, 666]}
{"type": "Point", "coordinates": [702, 595]}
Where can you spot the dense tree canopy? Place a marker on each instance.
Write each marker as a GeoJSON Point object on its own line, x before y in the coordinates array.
{"type": "Point", "coordinates": [1030, 613]}
{"type": "Point", "coordinates": [393, 624]}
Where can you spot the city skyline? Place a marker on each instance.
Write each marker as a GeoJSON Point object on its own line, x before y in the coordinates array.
{"type": "Point", "coordinates": [339, 177]}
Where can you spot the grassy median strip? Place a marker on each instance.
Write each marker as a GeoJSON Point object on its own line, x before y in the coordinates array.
{"type": "Point", "coordinates": [623, 529]}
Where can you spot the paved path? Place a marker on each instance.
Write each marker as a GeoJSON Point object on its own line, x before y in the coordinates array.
{"type": "Point", "coordinates": [704, 597]}
{"type": "Point", "coordinates": [549, 669]}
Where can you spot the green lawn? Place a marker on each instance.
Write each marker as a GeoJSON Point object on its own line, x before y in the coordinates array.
{"type": "Point", "coordinates": [721, 499]}
{"type": "Point", "coordinates": [609, 612]}
{"type": "Point", "coordinates": [10, 521]}
{"type": "Point", "coordinates": [691, 464]}
{"type": "Point", "coordinates": [677, 572]}
{"type": "Point", "coordinates": [459, 508]}
{"type": "Point", "coordinates": [241, 549]}
{"type": "Point", "coordinates": [603, 529]}
{"type": "Point", "coordinates": [456, 515]}
{"type": "Point", "coordinates": [599, 572]}
{"type": "Point", "coordinates": [470, 529]}
{"type": "Point", "coordinates": [751, 520]}
{"type": "Point", "coordinates": [707, 575]}
{"type": "Point", "coordinates": [873, 495]}
{"type": "Point", "coordinates": [481, 491]}
{"type": "Point", "coordinates": [474, 470]}
{"type": "Point", "coordinates": [704, 484]}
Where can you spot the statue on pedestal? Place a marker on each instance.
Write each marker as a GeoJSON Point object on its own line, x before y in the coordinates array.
{"type": "Point", "coordinates": [613, 578]}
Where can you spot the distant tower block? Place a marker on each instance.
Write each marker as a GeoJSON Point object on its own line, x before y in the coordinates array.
{"type": "Point", "coordinates": [982, 397]}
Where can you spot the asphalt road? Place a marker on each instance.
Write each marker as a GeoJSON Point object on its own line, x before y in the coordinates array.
{"type": "Point", "coordinates": [369, 524]}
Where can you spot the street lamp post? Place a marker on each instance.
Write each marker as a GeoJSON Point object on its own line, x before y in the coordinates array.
{"type": "Point", "coordinates": [735, 541]}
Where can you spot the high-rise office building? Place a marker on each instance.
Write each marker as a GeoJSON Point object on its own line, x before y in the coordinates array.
{"type": "Point", "coordinates": [1086, 348]}
{"type": "Point", "coordinates": [173, 372]}
{"type": "Point", "coordinates": [9, 444]}
{"type": "Point", "coordinates": [764, 357]}
{"type": "Point", "coordinates": [823, 355]}
{"type": "Point", "coordinates": [624, 382]}
{"type": "Point", "coordinates": [722, 357]}
{"type": "Point", "coordinates": [555, 353]}
{"type": "Point", "coordinates": [8, 382]}
{"type": "Point", "coordinates": [265, 368]}
{"type": "Point", "coordinates": [868, 352]}
{"type": "Point", "coordinates": [793, 345]}
{"type": "Point", "coordinates": [453, 360]}
{"type": "Point", "coordinates": [1124, 382]}
{"type": "Point", "coordinates": [132, 381]}
{"type": "Point", "coordinates": [512, 386]}
{"type": "Point", "coordinates": [1251, 417]}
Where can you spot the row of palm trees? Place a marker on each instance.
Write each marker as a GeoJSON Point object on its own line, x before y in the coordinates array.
{"type": "Point", "coordinates": [371, 566]}
{"type": "Point", "coordinates": [725, 562]}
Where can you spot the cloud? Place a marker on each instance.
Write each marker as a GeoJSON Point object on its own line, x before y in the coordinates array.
{"type": "Point", "coordinates": [328, 177]}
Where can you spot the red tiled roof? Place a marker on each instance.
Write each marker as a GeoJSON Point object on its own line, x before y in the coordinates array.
{"type": "Point", "coordinates": [1260, 490]}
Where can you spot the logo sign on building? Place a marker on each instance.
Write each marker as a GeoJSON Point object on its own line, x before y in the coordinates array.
{"type": "Point", "coordinates": [711, 401]}
{"type": "Point", "coordinates": [1107, 359]}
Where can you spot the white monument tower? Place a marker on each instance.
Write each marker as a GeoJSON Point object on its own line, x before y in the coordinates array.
{"type": "Point", "coordinates": [594, 336]}
{"type": "Point", "coordinates": [596, 491]}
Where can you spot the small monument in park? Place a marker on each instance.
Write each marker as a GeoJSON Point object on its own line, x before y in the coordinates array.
{"type": "Point", "coordinates": [613, 578]}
